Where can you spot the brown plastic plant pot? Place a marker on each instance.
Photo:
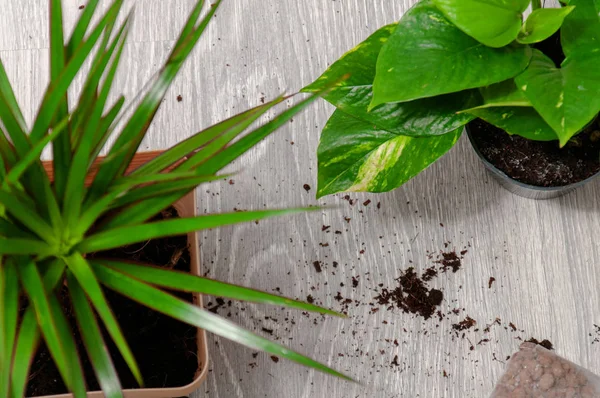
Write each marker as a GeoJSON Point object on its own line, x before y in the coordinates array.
{"type": "Point", "coordinates": [186, 207]}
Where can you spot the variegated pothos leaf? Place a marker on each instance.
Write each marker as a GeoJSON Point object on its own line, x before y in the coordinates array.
{"type": "Point", "coordinates": [353, 155]}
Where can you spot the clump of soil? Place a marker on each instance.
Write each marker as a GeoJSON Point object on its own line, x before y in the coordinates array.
{"type": "Point", "coordinates": [165, 349]}
{"type": "Point", "coordinates": [451, 260]}
{"type": "Point", "coordinates": [412, 295]}
{"type": "Point", "coordinates": [539, 163]}
{"type": "Point", "coordinates": [544, 343]}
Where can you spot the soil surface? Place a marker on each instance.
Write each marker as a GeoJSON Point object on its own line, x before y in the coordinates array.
{"type": "Point", "coordinates": [538, 163]}
{"type": "Point", "coordinates": [165, 349]}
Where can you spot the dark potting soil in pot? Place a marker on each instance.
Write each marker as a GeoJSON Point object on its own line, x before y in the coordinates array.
{"type": "Point", "coordinates": [165, 349]}
{"type": "Point", "coordinates": [539, 163]}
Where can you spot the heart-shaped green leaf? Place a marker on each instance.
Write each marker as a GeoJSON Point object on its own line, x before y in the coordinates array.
{"type": "Point", "coordinates": [567, 97]}
{"type": "Point", "coordinates": [543, 23]}
{"type": "Point", "coordinates": [426, 56]}
{"type": "Point", "coordinates": [581, 28]}
{"type": "Point", "coordinates": [523, 121]}
{"type": "Point", "coordinates": [353, 155]}
{"type": "Point", "coordinates": [502, 94]}
{"type": "Point", "coordinates": [431, 116]}
{"type": "Point", "coordinates": [494, 23]}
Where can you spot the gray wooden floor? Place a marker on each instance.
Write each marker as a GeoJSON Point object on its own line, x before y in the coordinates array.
{"type": "Point", "coordinates": [543, 255]}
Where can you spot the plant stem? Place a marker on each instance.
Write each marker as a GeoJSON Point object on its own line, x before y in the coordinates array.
{"type": "Point", "coordinates": [535, 4]}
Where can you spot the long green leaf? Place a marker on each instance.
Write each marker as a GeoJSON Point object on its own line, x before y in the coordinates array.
{"type": "Point", "coordinates": [105, 127]}
{"type": "Point", "coordinates": [140, 212]}
{"type": "Point", "coordinates": [139, 233]}
{"type": "Point", "coordinates": [9, 95]}
{"type": "Point", "coordinates": [81, 28]}
{"type": "Point", "coordinates": [27, 216]}
{"type": "Point", "coordinates": [135, 129]}
{"type": "Point", "coordinates": [7, 152]}
{"type": "Point", "coordinates": [34, 153]}
{"type": "Point", "coordinates": [75, 191]}
{"type": "Point", "coordinates": [61, 147]}
{"type": "Point", "coordinates": [10, 230]}
{"type": "Point", "coordinates": [223, 157]}
{"type": "Point", "coordinates": [29, 333]}
{"type": "Point", "coordinates": [227, 128]}
{"type": "Point", "coordinates": [24, 247]}
{"type": "Point", "coordinates": [195, 316]}
{"type": "Point", "coordinates": [60, 85]}
{"type": "Point", "coordinates": [85, 276]}
{"type": "Point", "coordinates": [9, 299]}
{"type": "Point", "coordinates": [150, 191]}
{"type": "Point", "coordinates": [66, 338]}
{"type": "Point", "coordinates": [89, 99]}
{"type": "Point", "coordinates": [32, 283]}
{"type": "Point", "coordinates": [190, 283]}
{"type": "Point", "coordinates": [94, 344]}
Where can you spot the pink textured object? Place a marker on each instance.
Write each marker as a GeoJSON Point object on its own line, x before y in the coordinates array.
{"type": "Point", "coordinates": [535, 372]}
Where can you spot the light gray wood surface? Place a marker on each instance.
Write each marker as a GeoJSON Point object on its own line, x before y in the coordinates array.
{"type": "Point", "coordinates": [544, 255]}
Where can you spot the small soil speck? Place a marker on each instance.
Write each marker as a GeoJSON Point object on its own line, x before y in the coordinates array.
{"type": "Point", "coordinates": [491, 282]}
{"type": "Point", "coordinates": [274, 358]}
{"type": "Point", "coordinates": [179, 98]}
{"type": "Point", "coordinates": [306, 187]}
{"type": "Point", "coordinates": [317, 265]}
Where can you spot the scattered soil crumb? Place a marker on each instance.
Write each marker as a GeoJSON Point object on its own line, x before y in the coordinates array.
{"type": "Point", "coordinates": [450, 260]}
{"type": "Point", "coordinates": [429, 274]}
{"type": "Point", "coordinates": [491, 282]}
{"type": "Point", "coordinates": [544, 343]}
{"type": "Point", "coordinates": [597, 333]}
{"type": "Point", "coordinates": [395, 361]}
{"type": "Point", "coordinates": [465, 324]}
{"type": "Point", "coordinates": [274, 358]}
{"type": "Point", "coordinates": [179, 98]}
{"type": "Point", "coordinates": [306, 187]}
{"type": "Point", "coordinates": [317, 265]}
{"type": "Point", "coordinates": [310, 299]}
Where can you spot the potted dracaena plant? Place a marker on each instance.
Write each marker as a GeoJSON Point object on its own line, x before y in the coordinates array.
{"type": "Point", "coordinates": [63, 227]}
{"type": "Point", "coordinates": [529, 110]}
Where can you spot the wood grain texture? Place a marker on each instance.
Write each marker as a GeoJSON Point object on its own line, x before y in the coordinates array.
{"type": "Point", "coordinates": [544, 255]}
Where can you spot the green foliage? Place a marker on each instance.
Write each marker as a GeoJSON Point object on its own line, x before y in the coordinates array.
{"type": "Point", "coordinates": [443, 64]}
{"type": "Point", "coordinates": [494, 23]}
{"type": "Point", "coordinates": [47, 227]}
{"type": "Point", "coordinates": [543, 23]}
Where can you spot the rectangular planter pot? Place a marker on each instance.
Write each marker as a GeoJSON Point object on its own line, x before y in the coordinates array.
{"type": "Point", "coordinates": [186, 207]}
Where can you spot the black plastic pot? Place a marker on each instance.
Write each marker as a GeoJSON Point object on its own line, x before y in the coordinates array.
{"type": "Point", "coordinates": [521, 189]}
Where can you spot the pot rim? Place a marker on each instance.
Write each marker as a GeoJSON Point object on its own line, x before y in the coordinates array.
{"type": "Point", "coordinates": [499, 173]}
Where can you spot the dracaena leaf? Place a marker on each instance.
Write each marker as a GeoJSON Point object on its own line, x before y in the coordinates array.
{"type": "Point", "coordinates": [184, 281]}
{"type": "Point", "coordinates": [32, 283]}
{"type": "Point", "coordinates": [29, 333]}
{"type": "Point", "coordinates": [123, 236]}
{"type": "Point", "coordinates": [195, 316]}
{"type": "Point", "coordinates": [94, 343]}
{"type": "Point", "coordinates": [82, 271]}
{"type": "Point", "coordinates": [136, 127]}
